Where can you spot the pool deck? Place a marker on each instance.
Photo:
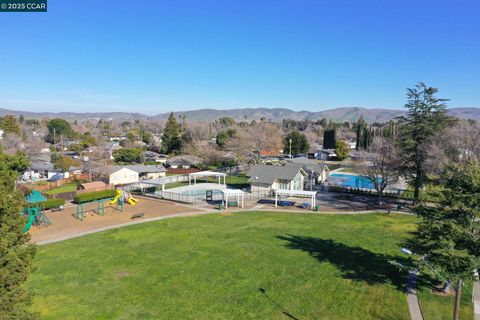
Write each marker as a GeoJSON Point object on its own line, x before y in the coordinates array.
{"type": "Point", "coordinates": [199, 186]}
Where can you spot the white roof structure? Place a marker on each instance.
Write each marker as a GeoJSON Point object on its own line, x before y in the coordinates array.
{"type": "Point", "coordinates": [296, 193]}
{"type": "Point", "coordinates": [207, 174]}
{"type": "Point", "coordinates": [202, 174]}
{"type": "Point", "coordinates": [238, 194]}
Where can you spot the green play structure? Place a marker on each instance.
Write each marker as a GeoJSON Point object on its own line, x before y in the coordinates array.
{"type": "Point", "coordinates": [34, 210]}
{"type": "Point", "coordinates": [80, 212]}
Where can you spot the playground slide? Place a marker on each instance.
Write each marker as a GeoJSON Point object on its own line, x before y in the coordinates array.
{"type": "Point", "coordinates": [32, 214]}
{"type": "Point", "coordinates": [131, 201]}
{"type": "Point", "coordinates": [118, 196]}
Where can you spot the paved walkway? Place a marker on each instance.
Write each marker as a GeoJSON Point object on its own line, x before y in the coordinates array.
{"type": "Point", "coordinates": [476, 300]}
{"type": "Point", "coordinates": [412, 298]}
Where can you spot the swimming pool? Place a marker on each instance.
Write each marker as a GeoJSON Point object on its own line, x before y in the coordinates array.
{"type": "Point", "coordinates": [199, 192]}
{"type": "Point", "coordinates": [350, 180]}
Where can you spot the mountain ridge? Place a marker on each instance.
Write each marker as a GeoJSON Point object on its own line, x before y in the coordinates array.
{"type": "Point", "coordinates": [340, 114]}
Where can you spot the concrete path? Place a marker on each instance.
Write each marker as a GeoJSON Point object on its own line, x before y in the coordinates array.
{"type": "Point", "coordinates": [476, 300]}
{"type": "Point", "coordinates": [412, 298]}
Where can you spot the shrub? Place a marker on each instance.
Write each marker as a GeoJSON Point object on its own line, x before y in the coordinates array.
{"type": "Point", "coordinates": [95, 195]}
{"type": "Point", "coordinates": [53, 203]}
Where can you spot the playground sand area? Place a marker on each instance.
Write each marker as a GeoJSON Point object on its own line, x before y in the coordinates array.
{"type": "Point", "coordinates": [64, 223]}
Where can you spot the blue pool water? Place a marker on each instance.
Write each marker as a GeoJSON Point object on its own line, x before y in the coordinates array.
{"type": "Point", "coordinates": [350, 180]}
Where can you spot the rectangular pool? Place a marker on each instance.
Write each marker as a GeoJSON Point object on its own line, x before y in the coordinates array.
{"type": "Point", "coordinates": [350, 180]}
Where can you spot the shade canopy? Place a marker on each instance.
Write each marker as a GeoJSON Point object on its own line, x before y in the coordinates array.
{"type": "Point", "coordinates": [35, 197]}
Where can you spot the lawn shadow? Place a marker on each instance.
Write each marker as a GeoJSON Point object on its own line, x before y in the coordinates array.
{"type": "Point", "coordinates": [276, 304]}
{"type": "Point", "coordinates": [355, 263]}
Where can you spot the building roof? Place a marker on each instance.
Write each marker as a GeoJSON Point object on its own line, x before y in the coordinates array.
{"type": "Point", "coordinates": [42, 166]}
{"type": "Point", "coordinates": [268, 174]}
{"type": "Point", "coordinates": [312, 165]}
{"type": "Point", "coordinates": [93, 185]}
{"type": "Point", "coordinates": [184, 160]}
{"type": "Point", "coordinates": [141, 168]}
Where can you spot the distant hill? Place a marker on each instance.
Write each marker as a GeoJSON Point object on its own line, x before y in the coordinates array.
{"type": "Point", "coordinates": [75, 115]}
{"type": "Point", "coordinates": [274, 114]}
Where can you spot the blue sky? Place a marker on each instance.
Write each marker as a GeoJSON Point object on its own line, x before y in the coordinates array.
{"type": "Point", "coordinates": [158, 56]}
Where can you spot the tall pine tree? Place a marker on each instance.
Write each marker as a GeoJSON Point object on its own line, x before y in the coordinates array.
{"type": "Point", "coordinates": [448, 235]}
{"type": "Point", "coordinates": [172, 136]}
{"type": "Point", "coordinates": [15, 253]}
{"type": "Point", "coordinates": [426, 116]}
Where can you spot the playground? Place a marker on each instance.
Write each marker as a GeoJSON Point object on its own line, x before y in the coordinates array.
{"type": "Point", "coordinates": [66, 224]}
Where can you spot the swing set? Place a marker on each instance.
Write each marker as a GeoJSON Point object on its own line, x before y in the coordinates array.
{"type": "Point", "coordinates": [80, 211]}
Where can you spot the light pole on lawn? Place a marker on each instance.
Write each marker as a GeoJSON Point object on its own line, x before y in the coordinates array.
{"type": "Point", "coordinates": [458, 289]}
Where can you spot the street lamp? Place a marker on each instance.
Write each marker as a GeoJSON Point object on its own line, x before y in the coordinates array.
{"type": "Point", "coordinates": [458, 289]}
{"type": "Point", "coordinates": [290, 141]}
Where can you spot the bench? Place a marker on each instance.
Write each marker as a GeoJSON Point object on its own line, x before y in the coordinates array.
{"type": "Point", "coordinates": [57, 209]}
{"type": "Point", "coordinates": [137, 215]}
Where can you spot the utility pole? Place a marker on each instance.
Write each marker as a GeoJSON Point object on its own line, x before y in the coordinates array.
{"type": "Point", "coordinates": [458, 297]}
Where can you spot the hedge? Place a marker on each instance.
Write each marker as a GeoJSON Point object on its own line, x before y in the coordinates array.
{"type": "Point", "coordinates": [95, 195]}
{"type": "Point", "coordinates": [53, 203]}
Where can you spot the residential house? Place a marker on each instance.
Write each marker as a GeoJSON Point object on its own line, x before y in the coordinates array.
{"type": "Point", "coordinates": [46, 169]}
{"type": "Point", "coordinates": [122, 176]}
{"type": "Point", "coordinates": [267, 178]}
{"type": "Point", "coordinates": [151, 156]}
{"type": "Point", "coordinates": [119, 175]}
{"type": "Point", "coordinates": [185, 161]}
{"type": "Point", "coordinates": [322, 154]}
{"type": "Point", "coordinates": [317, 173]}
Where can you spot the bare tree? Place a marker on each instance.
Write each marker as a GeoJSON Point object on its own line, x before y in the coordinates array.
{"type": "Point", "coordinates": [250, 141]}
{"type": "Point", "coordinates": [383, 167]}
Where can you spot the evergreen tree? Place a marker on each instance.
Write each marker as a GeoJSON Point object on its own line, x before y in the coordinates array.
{"type": "Point", "coordinates": [10, 124]}
{"type": "Point", "coordinates": [360, 126]}
{"type": "Point", "coordinates": [16, 254]}
{"type": "Point", "coordinates": [426, 116]}
{"type": "Point", "coordinates": [342, 150]}
{"type": "Point", "coordinates": [299, 143]}
{"type": "Point", "coordinates": [329, 139]}
{"type": "Point", "coordinates": [449, 234]}
{"type": "Point", "coordinates": [172, 136]}
{"type": "Point", "coordinates": [58, 128]}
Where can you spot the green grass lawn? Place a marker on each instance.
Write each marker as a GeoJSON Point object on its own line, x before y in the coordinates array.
{"type": "Point", "coordinates": [251, 265]}
{"type": "Point", "coordinates": [68, 187]}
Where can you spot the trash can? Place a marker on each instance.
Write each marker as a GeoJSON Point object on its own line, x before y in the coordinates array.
{"type": "Point", "coordinates": [220, 206]}
{"type": "Point", "coordinates": [317, 208]}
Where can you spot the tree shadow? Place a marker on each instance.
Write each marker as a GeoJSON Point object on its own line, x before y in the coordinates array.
{"type": "Point", "coordinates": [355, 263]}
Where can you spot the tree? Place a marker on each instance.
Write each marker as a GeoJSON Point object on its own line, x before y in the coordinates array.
{"type": "Point", "coordinates": [299, 143]}
{"type": "Point", "coordinates": [172, 136]}
{"type": "Point", "coordinates": [64, 163]}
{"type": "Point", "coordinates": [58, 128]}
{"type": "Point", "coordinates": [448, 234]}
{"type": "Point", "coordinates": [426, 116]}
{"type": "Point", "coordinates": [360, 127]}
{"type": "Point", "coordinates": [342, 150]}
{"type": "Point", "coordinates": [224, 135]}
{"type": "Point", "coordinates": [383, 170]}
{"type": "Point", "coordinates": [329, 139]}
{"type": "Point", "coordinates": [10, 124]}
{"type": "Point", "coordinates": [21, 119]}
{"type": "Point", "coordinates": [127, 155]}
{"type": "Point", "coordinates": [251, 141]}
{"type": "Point", "coordinates": [16, 254]}
{"type": "Point", "coordinates": [147, 137]}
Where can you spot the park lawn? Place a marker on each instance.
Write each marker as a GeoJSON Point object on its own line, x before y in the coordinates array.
{"type": "Point", "coordinates": [439, 307]}
{"type": "Point", "coordinates": [250, 265]}
{"type": "Point", "coordinates": [68, 187]}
